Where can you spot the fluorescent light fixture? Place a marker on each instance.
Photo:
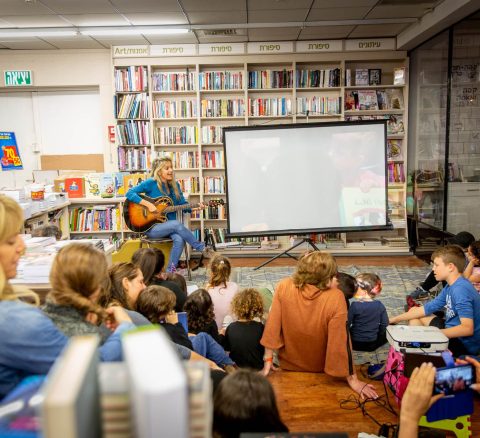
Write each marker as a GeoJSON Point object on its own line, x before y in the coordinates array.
{"type": "Point", "coordinates": [134, 30]}
{"type": "Point", "coordinates": [43, 32]}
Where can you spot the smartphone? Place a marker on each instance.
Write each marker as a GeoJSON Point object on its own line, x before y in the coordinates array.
{"type": "Point", "coordinates": [182, 319]}
{"type": "Point", "coordinates": [453, 379]}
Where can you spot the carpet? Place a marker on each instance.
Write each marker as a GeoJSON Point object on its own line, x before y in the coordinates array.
{"type": "Point", "coordinates": [397, 282]}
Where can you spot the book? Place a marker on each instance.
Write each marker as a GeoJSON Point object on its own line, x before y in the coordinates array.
{"type": "Point", "coordinates": [361, 76]}
{"type": "Point", "coordinates": [71, 405]}
{"type": "Point", "coordinates": [348, 77]}
{"type": "Point", "coordinates": [374, 76]}
{"type": "Point", "coordinates": [132, 180]}
{"type": "Point", "coordinates": [399, 76]}
{"type": "Point", "coordinates": [394, 98]}
{"type": "Point", "coordinates": [367, 100]}
{"type": "Point", "coordinates": [92, 185]}
{"type": "Point", "coordinates": [75, 187]}
{"type": "Point", "coordinates": [118, 181]}
{"type": "Point", "coordinates": [107, 186]}
{"type": "Point", "coordinates": [394, 149]}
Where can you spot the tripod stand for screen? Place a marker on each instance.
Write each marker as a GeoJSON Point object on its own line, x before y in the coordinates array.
{"type": "Point", "coordinates": [287, 251]}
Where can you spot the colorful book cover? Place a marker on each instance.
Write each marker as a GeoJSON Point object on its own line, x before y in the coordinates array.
{"type": "Point", "coordinates": [133, 180]}
{"type": "Point", "coordinates": [361, 76]}
{"type": "Point", "coordinates": [118, 179]}
{"type": "Point", "coordinates": [92, 185]}
{"type": "Point", "coordinates": [75, 187]}
{"type": "Point", "coordinates": [367, 100]}
{"type": "Point", "coordinates": [107, 186]}
{"type": "Point", "coordinates": [10, 156]}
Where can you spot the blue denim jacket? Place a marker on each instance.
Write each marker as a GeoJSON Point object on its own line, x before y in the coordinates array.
{"type": "Point", "coordinates": [30, 343]}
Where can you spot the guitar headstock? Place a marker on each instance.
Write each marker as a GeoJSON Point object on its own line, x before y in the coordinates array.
{"type": "Point", "coordinates": [215, 202]}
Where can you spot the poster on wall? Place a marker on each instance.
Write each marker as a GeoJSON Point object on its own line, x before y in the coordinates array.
{"type": "Point", "coordinates": [10, 157]}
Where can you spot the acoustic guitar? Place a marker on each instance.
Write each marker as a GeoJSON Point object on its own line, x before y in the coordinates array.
{"type": "Point", "coordinates": [139, 219]}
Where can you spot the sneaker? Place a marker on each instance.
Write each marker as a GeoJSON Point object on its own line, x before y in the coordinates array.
{"type": "Point", "coordinates": [419, 292]}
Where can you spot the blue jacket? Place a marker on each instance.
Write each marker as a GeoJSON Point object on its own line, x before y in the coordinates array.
{"type": "Point", "coordinates": [30, 343]}
{"type": "Point", "coordinates": [151, 189]}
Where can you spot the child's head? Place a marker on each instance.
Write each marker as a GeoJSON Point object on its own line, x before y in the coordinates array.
{"type": "Point", "coordinates": [474, 250]}
{"type": "Point", "coordinates": [178, 279]}
{"type": "Point", "coordinates": [317, 268]}
{"type": "Point", "coordinates": [245, 402]}
{"type": "Point", "coordinates": [150, 261]}
{"type": "Point", "coordinates": [347, 284]}
{"type": "Point", "coordinates": [47, 231]}
{"type": "Point", "coordinates": [199, 309]}
{"type": "Point", "coordinates": [248, 304]}
{"type": "Point", "coordinates": [155, 302]}
{"type": "Point", "coordinates": [220, 270]}
{"type": "Point", "coordinates": [447, 260]}
{"type": "Point", "coordinates": [370, 283]}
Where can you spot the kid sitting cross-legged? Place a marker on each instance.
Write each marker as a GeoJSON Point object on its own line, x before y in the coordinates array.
{"type": "Point", "coordinates": [367, 318]}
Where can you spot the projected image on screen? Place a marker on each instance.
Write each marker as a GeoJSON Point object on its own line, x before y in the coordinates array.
{"type": "Point", "coordinates": [306, 178]}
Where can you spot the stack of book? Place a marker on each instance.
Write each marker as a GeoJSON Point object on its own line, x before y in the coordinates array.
{"type": "Point", "coordinates": [395, 241]}
{"type": "Point", "coordinates": [371, 242]}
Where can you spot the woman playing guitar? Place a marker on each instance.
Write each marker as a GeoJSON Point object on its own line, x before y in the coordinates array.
{"type": "Point", "coordinates": [162, 183]}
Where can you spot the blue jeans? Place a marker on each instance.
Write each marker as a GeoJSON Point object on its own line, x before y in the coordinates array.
{"type": "Point", "coordinates": [206, 346]}
{"type": "Point", "coordinates": [179, 234]}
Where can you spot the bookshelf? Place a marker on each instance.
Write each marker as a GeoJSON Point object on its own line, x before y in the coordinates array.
{"type": "Point", "coordinates": [193, 98]}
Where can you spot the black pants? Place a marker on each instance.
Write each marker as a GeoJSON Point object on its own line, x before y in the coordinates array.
{"type": "Point", "coordinates": [369, 345]}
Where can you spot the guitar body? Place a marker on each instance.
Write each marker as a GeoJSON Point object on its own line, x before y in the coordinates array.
{"type": "Point", "coordinates": [139, 219]}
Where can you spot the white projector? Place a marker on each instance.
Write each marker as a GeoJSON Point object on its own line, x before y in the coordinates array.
{"type": "Point", "coordinates": [416, 339]}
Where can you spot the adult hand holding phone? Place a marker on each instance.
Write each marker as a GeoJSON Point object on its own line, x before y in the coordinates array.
{"type": "Point", "coordinates": [476, 366]}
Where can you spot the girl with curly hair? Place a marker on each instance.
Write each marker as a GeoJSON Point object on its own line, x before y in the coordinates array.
{"type": "Point", "coordinates": [242, 337]}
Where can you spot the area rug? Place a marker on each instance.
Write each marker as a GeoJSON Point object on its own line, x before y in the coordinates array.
{"type": "Point", "coordinates": [397, 281]}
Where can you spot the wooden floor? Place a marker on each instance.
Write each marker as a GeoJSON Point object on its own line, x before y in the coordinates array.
{"type": "Point", "coordinates": [310, 402]}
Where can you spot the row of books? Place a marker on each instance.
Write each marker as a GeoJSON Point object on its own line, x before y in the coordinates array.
{"type": "Point", "coordinates": [222, 108]}
{"type": "Point", "coordinates": [318, 78]}
{"type": "Point", "coordinates": [189, 184]}
{"type": "Point", "coordinates": [220, 80]}
{"type": "Point", "coordinates": [395, 124]}
{"type": "Point", "coordinates": [212, 134]}
{"type": "Point", "coordinates": [265, 79]}
{"type": "Point", "coordinates": [213, 212]}
{"type": "Point", "coordinates": [396, 173]}
{"type": "Point", "coordinates": [133, 132]}
{"type": "Point", "coordinates": [131, 78]}
{"type": "Point", "coordinates": [176, 135]}
{"type": "Point", "coordinates": [175, 109]}
{"type": "Point", "coordinates": [274, 106]}
{"type": "Point", "coordinates": [134, 158]}
{"type": "Point", "coordinates": [192, 159]}
{"type": "Point", "coordinates": [214, 184]}
{"type": "Point", "coordinates": [97, 218]}
{"type": "Point", "coordinates": [166, 81]}
{"type": "Point", "coordinates": [213, 159]}
{"type": "Point", "coordinates": [319, 105]}
{"type": "Point", "coordinates": [365, 100]}
{"type": "Point", "coordinates": [131, 106]}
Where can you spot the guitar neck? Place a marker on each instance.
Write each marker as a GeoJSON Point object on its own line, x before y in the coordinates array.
{"type": "Point", "coordinates": [179, 207]}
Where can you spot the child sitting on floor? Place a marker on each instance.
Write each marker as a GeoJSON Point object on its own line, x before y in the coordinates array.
{"type": "Point", "coordinates": [242, 338]}
{"type": "Point", "coordinates": [157, 304]}
{"type": "Point", "coordinates": [367, 318]}
{"type": "Point", "coordinates": [348, 285]}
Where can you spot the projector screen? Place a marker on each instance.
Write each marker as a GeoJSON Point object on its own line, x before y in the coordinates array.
{"type": "Point", "coordinates": [304, 178]}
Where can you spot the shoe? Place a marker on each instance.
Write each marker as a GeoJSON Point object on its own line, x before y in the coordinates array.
{"type": "Point", "coordinates": [208, 252]}
{"type": "Point", "coordinates": [419, 292]}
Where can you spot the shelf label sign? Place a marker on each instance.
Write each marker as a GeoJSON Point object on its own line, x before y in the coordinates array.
{"type": "Point", "coordinates": [319, 46]}
{"type": "Point", "coordinates": [18, 78]}
{"type": "Point", "coordinates": [221, 49]}
{"type": "Point", "coordinates": [270, 47]}
{"type": "Point", "coordinates": [130, 51]}
{"type": "Point", "coordinates": [10, 157]}
{"type": "Point", "coordinates": [369, 44]}
{"type": "Point", "coordinates": [173, 50]}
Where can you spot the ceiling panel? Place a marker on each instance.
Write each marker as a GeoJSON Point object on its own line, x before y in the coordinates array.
{"type": "Point", "coordinates": [343, 3]}
{"type": "Point", "coordinates": [378, 30]}
{"type": "Point", "coordinates": [157, 18]}
{"type": "Point", "coordinates": [16, 7]}
{"type": "Point", "coordinates": [325, 32]}
{"type": "Point", "coordinates": [275, 34]}
{"type": "Point", "coordinates": [131, 6]}
{"type": "Point", "coordinates": [254, 5]}
{"type": "Point", "coordinates": [121, 40]}
{"type": "Point", "coordinates": [80, 6]}
{"type": "Point", "coordinates": [172, 39]}
{"type": "Point", "coordinates": [213, 5]}
{"type": "Point", "coordinates": [79, 42]}
{"type": "Point", "coordinates": [353, 13]}
{"type": "Point", "coordinates": [34, 21]}
{"type": "Point", "coordinates": [395, 11]}
{"type": "Point", "coordinates": [27, 44]}
{"type": "Point", "coordinates": [277, 16]}
{"type": "Point", "coordinates": [97, 20]}
{"type": "Point", "coordinates": [215, 17]}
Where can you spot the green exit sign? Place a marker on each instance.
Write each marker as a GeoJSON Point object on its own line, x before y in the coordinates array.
{"type": "Point", "coordinates": [18, 78]}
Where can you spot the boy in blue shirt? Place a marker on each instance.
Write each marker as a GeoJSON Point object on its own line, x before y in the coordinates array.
{"type": "Point", "coordinates": [460, 299]}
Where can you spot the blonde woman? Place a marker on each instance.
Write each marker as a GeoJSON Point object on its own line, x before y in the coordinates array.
{"type": "Point", "coordinates": [307, 324]}
{"type": "Point", "coordinates": [29, 341]}
{"type": "Point", "coordinates": [163, 183]}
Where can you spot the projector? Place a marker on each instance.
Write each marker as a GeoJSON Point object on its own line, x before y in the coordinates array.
{"type": "Point", "coordinates": [416, 339]}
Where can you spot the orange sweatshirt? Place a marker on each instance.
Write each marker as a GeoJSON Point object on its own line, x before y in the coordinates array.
{"type": "Point", "coordinates": [308, 327]}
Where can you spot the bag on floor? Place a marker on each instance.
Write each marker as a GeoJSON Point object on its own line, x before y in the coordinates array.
{"type": "Point", "coordinates": [394, 377]}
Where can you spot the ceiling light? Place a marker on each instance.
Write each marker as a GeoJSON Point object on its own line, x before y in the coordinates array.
{"type": "Point", "coordinates": [40, 32]}
{"type": "Point", "coordinates": [119, 31]}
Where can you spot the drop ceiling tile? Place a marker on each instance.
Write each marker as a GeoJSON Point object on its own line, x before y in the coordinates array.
{"type": "Point", "coordinates": [16, 7]}
{"type": "Point", "coordinates": [35, 21]}
{"type": "Point", "coordinates": [122, 40]}
{"type": "Point", "coordinates": [133, 6]}
{"type": "Point", "coordinates": [378, 30]}
{"type": "Point", "coordinates": [157, 18]}
{"type": "Point", "coordinates": [97, 20]}
{"type": "Point", "coordinates": [271, 5]}
{"type": "Point", "coordinates": [277, 16]}
{"type": "Point", "coordinates": [188, 38]}
{"type": "Point", "coordinates": [325, 32]}
{"type": "Point", "coordinates": [273, 34]}
{"type": "Point", "coordinates": [319, 4]}
{"type": "Point", "coordinates": [213, 5]}
{"type": "Point", "coordinates": [217, 17]}
{"type": "Point", "coordinates": [80, 6]}
{"type": "Point", "coordinates": [397, 11]}
{"type": "Point", "coordinates": [27, 44]}
{"type": "Point", "coordinates": [4, 24]}
{"type": "Point", "coordinates": [352, 13]}
{"type": "Point", "coordinates": [74, 43]}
